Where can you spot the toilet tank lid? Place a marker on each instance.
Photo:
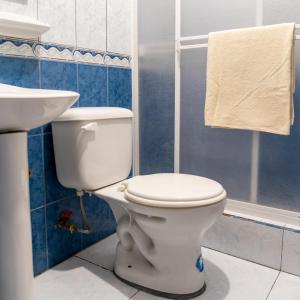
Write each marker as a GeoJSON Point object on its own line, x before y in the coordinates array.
{"type": "Point", "coordinates": [94, 113]}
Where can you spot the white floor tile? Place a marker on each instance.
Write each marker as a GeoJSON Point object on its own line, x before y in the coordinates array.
{"type": "Point", "coordinates": [231, 278]}
{"type": "Point", "coordinates": [76, 279]}
{"type": "Point", "coordinates": [287, 287]}
{"type": "Point", "coordinates": [102, 253]}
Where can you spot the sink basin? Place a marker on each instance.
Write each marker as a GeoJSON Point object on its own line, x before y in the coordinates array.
{"type": "Point", "coordinates": [21, 26]}
{"type": "Point", "coordinates": [22, 109]}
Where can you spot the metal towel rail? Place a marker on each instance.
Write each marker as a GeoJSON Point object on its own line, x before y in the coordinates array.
{"type": "Point", "coordinates": [187, 39]}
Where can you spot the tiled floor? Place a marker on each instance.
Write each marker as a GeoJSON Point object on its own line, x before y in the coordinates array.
{"type": "Point", "coordinates": [88, 276]}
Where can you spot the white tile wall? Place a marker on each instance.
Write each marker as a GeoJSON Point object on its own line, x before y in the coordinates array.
{"type": "Point", "coordinates": [60, 14]}
{"type": "Point", "coordinates": [81, 23]}
{"type": "Point", "coordinates": [246, 239]}
{"type": "Point", "coordinates": [24, 7]}
{"type": "Point", "coordinates": [291, 252]}
{"type": "Point", "coordinates": [119, 26]}
{"type": "Point", "coordinates": [91, 24]}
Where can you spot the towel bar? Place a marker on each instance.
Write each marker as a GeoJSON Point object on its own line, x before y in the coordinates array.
{"type": "Point", "coordinates": [186, 39]}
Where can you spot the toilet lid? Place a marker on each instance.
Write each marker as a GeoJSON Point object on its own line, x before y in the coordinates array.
{"type": "Point", "coordinates": [173, 190]}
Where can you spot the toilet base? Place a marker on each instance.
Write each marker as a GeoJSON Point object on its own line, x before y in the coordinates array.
{"type": "Point", "coordinates": [163, 294]}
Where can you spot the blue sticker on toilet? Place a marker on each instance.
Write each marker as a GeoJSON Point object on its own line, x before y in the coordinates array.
{"type": "Point", "coordinates": [199, 264]}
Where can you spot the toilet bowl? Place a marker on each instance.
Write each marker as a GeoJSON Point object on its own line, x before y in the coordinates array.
{"type": "Point", "coordinates": [161, 218]}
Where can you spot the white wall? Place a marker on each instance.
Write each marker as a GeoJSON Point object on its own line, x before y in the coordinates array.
{"type": "Point", "coordinates": [94, 24]}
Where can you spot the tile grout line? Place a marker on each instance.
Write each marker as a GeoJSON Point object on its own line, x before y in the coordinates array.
{"type": "Point", "coordinates": [92, 263]}
{"type": "Point", "coordinates": [45, 202]}
{"type": "Point", "coordinates": [106, 22]}
{"type": "Point", "coordinates": [131, 297]}
{"type": "Point", "coordinates": [282, 244]}
{"type": "Point", "coordinates": [44, 176]}
{"type": "Point", "coordinates": [273, 285]}
{"type": "Point", "coordinates": [52, 202]}
{"type": "Point", "coordinates": [76, 25]}
{"type": "Point", "coordinates": [280, 268]}
{"type": "Point", "coordinates": [107, 88]}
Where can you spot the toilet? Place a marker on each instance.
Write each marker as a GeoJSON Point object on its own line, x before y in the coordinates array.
{"type": "Point", "coordinates": [161, 218]}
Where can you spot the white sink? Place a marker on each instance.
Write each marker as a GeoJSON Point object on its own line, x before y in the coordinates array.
{"type": "Point", "coordinates": [21, 26]}
{"type": "Point", "coordinates": [22, 109]}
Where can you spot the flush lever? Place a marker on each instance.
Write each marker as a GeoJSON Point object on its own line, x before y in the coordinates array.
{"type": "Point", "coordinates": [90, 126]}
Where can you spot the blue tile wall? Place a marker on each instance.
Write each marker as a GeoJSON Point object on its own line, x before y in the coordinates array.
{"type": "Point", "coordinates": [54, 190]}
{"type": "Point", "coordinates": [61, 244]}
{"type": "Point", "coordinates": [39, 240]}
{"type": "Point", "coordinates": [47, 197]}
{"type": "Point", "coordinates": [36, 173]}
{"type": "Point", "coordinates": [19, 71]}
{"type": "Point", "coordinates": [59, 75]}
{"type": "Point", "coordinates": [92, 81]}
{"type": "Point", "coordinates": [119, 88]}
{"type": "Point", "coordinates": [102, 227]}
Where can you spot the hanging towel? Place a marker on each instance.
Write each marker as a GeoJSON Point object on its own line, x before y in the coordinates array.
{"type": "Point", "coordinates": [251, 79]}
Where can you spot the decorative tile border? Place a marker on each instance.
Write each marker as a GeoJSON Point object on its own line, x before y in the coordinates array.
{"type": "Point", "coordinates": [117, 60]}
{"type": "Point", "coordinates": [14, 47]}
{"type": "Point", "coordinates": [91, 57]}
{"type": "Point", "coordinates": [53, 52]}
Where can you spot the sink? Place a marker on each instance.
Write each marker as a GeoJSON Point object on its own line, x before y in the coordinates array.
{"type": "Point", "coordinates": [21, 26]}
{"type": "Point", "coordinates": [22, 109]}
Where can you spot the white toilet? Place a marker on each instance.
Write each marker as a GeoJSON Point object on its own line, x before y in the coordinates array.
{"type": "Point", "coordinates": [161, 217]}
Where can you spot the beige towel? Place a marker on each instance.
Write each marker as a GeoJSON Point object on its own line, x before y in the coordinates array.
{"type": "Point", "coordinates": [251, 79]}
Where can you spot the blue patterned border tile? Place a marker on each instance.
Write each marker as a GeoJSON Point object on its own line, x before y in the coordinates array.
{"type": "Point", "coordinates": [49, 51]}
{"type": "Point", "coordinates": [16, 48]}
{"type": "Point", "coordinates": [117, 60]}
{"type": "Point", "coordinates": [88, 56]}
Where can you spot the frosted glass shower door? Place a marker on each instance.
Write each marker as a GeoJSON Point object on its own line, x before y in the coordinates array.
{"type": "Point", "coordinates": [220, 154]}
{"type": "Point", "coordinates": [227, 155]}
{"type": "Point", "coordinates": [279, 163]}
{"type": "Point", "coordinates": [156, 48]}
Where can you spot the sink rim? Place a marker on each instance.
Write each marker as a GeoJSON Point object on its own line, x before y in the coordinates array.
{"type": "Point", "coordinates": [15, 92]}
{"type": "Point", "coordinates": [22, 109]}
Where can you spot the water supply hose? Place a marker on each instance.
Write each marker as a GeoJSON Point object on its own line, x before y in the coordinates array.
{"type": "Point", "coordinates": [86, 224]}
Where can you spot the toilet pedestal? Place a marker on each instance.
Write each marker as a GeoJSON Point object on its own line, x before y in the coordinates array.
{"type": "Point", "coordinates": [170, 269]}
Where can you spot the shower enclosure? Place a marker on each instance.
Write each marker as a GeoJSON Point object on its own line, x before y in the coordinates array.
{"type": "Point", "coordinates": [257, 168]}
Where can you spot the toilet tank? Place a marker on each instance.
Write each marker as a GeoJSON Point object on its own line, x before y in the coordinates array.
{"type": "Point", "coordinates": [92, 147]}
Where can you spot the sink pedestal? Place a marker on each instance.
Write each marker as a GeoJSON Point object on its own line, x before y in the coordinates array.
{"type": "Point", "coordinates": [16, 267]}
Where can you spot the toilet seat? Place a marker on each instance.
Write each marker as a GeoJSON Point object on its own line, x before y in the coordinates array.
{"type": "Point", "coordinates": [172, 190]}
